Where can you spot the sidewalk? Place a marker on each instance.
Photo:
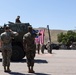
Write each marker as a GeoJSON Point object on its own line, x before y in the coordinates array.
{"type": "Point", "coordinates": [61, 62]}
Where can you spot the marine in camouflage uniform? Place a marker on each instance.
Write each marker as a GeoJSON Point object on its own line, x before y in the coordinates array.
{"type": "Point", "coordinates": [18, 20]}
{"type": "Point", "coordinates": [49, 48]}
{"type": "Point", "coordinates": [30, 48]}
{"type": "Point", "coordinates": [6, 38]}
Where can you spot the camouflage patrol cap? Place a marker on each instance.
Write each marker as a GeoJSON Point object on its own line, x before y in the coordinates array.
{"type": "Point", "coordinates": [29, 27]}
{"type": "Point", "coordinates": [7, 27]}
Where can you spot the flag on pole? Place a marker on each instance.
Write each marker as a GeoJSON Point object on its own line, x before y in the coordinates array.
{"type": "Point", "coordinates": [40, 39]}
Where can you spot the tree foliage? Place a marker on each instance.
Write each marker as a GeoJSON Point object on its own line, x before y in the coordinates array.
{"type": "Point", "coordinates": [67, 38]}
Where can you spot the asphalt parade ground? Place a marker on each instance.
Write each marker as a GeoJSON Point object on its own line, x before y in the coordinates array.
{"type": "Point", "coordinates": [60, 62]}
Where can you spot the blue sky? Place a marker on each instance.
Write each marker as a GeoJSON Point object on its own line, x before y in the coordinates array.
{"type": "Point", "coordinates": [58, 14]}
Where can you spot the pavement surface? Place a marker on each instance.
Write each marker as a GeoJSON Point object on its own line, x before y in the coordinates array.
{"type": "Point", "coordinates": [61, 62]}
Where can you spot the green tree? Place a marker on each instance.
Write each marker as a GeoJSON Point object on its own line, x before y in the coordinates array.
{"type": "Point", "coordinates": [60, 36]}
{"type": "Point", "coordinates": [67, 38]}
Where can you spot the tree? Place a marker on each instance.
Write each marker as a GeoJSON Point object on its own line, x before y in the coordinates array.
{"type": "Point", "coordinates": [67, 38]}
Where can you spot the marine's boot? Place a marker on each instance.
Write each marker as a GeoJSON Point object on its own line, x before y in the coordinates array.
{"type": "Point", "coordinates": [29, 71]}
{"type": "Point", "coordinates": [5, 69]}
{"type": "Point", "coordinates": [8, 69]}
{"type": "Point", "coordinates": [32, 71]}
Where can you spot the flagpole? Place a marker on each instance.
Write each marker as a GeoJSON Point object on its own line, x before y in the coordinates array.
{"type": "Point", "coordinates": [49, 39]}
{"type": "Point", "coordinates": [49, 33]}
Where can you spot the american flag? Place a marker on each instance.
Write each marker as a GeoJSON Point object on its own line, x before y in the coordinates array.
{"type": "Point", "coordinates": [40, 39]}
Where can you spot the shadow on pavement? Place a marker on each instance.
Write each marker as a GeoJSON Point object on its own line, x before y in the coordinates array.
{"type": "Point", "coordinates": [41, 74]}
{"type": "Point", "coordinates": [40, 61]}
{"type": "Point", "coordinates": [36, 61]}
{"type": "Point", "coordinates": [17, 73]}
{"type": "Point", "coordinates": [24, 60]}
{"type": "Point", "coordinates": [0, 60]}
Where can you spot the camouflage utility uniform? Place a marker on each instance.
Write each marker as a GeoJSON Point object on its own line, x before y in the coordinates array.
{"type": "Point", "coordinates": [30, 48]}
{"type": "Point", "coordinates": [6, 38]}
{"type": "Point", "coordinates": [49, 47]}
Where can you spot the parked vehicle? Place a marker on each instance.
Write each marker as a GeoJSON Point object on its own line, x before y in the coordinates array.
{"type": "Point", "coordinates": [53, 46]}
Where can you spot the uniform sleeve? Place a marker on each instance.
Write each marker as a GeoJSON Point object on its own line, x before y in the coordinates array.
{"type": "Point", "coordinates": [24, 37]}
{"type": "Point", "coordinates": [14, 33]}
{"type": "Point", "coordinates": [1, 40]}
{"type": "Point", "coordinates": [1, 37]}
{"type": "Point", "coordinates": [24, 42]}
